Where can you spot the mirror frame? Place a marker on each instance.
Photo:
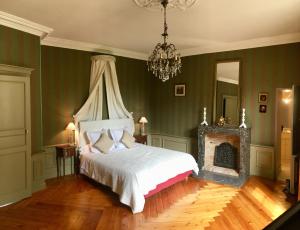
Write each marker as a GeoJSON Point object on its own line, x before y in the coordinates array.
{"type": "Point", "coordinates": [214, 121]}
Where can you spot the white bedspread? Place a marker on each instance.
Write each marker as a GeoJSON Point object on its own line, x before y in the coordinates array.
{"type": "Point", "coordinates": [132, 173]}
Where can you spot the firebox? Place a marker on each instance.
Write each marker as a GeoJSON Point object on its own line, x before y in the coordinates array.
{"type": "Point", "coordinates": [226, 156]}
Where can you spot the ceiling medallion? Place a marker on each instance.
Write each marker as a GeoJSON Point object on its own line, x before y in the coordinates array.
{"type": "Point", "coordinates": [164, 62]}
{"type": "Point", "coordinates": [157, 4]}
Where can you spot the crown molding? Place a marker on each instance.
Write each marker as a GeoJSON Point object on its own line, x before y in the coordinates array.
{"type": "Point", "coordinates": [245, 44]}
{"type": "Point", "coordinates": [24, 25]}
{"type": "Point", "coordinates": [85, 46]}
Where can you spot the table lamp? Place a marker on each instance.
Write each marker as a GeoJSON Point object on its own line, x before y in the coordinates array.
{"type": "Point", "coordinates": [143, 120]}
{"type": "Point", "coordinates": [71, 127]}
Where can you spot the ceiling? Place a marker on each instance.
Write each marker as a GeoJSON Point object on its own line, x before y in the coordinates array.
{"type": "Point", "coordinates": [210, 25]}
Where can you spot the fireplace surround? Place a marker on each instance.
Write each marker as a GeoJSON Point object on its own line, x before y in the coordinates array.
{"type": "Point", "coordinates": [224, 154]}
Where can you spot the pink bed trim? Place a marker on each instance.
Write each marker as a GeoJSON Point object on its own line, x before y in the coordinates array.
{"type": "Point", "coordinates": [168, 183]}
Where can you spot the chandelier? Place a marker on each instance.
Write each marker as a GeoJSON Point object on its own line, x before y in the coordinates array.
{"type": "Point", "coordinates": [165, 60]}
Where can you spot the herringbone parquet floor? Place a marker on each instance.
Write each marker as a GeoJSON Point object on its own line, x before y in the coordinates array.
{"type": "Point", "coordinates": [79, 203]}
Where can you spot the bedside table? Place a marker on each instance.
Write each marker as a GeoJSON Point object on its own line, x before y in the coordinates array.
{"type": "Point", "coordinates": [142, 139]}
{"type": "Point", "coordinates": [63, 152]}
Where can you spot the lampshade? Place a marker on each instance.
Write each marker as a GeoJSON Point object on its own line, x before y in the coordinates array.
{"type": "Point", "coordinates": [71, 126]}
{"type": "Point", "coordinates": [143, 120]}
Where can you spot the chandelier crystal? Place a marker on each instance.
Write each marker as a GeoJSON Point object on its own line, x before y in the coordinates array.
{"type": "Point", "coordinates": [164, 62]}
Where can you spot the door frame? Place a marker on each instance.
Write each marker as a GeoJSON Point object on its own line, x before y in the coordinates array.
{"type": "Point", "coordinates": [277, 132]}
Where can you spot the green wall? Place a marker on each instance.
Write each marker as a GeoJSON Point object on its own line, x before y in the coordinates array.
{"type": "Point", "coordinates": [65, 82]}
{"type": "Point", "coordinates": [65, 86]}
{"type": "Point", "coordinates": [23, 49]}
{"type": "Point", "coordinates": [262, 70]}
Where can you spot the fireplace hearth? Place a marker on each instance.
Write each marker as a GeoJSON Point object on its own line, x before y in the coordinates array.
{"type": "Point", "coordinates": [224, 154]}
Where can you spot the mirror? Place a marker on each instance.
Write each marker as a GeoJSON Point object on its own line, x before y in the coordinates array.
{"type": "Point", "coordinates": [226, 102]}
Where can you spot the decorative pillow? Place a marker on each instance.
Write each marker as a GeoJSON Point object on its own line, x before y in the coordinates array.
{"type": "Point", "coordinates": [128, 140]}
{"type": "Point", "coordinates": [116, 134]}
{"type": "Point", "coordinates": [104, 143]}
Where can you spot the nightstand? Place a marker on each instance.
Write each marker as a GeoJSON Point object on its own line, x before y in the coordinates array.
{"type": "Point", "coordinates": [63, 152]}
{"type": "Point", "coordinates": [142, 139]}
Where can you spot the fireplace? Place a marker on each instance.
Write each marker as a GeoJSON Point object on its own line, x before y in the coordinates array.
{"type": "Point", "coordinates": [224, 154]}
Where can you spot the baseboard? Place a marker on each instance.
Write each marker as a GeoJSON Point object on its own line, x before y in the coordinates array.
{"type": "Point", "coordinates": [38, 186]}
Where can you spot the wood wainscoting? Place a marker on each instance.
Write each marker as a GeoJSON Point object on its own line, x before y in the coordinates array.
{"type": "Point", "coordinates": [44, 167]}
{"type": "Point", "coordinates": [44, 163]}
{"type": "Point", "coordinates": [182, 144]}
{"type": "Point", "coordinates": [261, 157]}
{"type": "Point", "coordinates": [262, 161]}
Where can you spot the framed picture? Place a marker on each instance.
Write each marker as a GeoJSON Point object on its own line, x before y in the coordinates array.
{"type": "Point", "coordinates": [179, 90]}
{"type": "Point", "coordinates": [263, 97]}
{"type": "Point", "coordinates": [262, 108]}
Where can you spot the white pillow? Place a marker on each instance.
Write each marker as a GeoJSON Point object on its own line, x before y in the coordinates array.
{"type": "Point", "coordinates": [94, 136]}
{"type": "Point", "coordinates": [119, 146]}
{"type": "Point", "coordinates": [116, 134]}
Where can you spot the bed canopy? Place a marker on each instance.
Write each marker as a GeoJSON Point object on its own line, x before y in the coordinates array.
{"type": "Point", "coordinates": [103, 67]}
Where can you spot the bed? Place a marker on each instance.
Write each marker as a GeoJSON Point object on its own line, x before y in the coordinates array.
{"type": "Point", "coordinates": [134, 173]}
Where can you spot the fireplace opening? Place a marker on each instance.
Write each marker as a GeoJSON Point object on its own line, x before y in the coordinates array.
{"type": "Point", "coordinates": [225, 156]}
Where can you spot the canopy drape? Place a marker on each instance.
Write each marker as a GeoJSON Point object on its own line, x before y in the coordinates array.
{"type": "Point", "coordinates": [103, 67]}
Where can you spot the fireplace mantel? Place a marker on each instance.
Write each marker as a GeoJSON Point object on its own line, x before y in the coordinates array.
{"type": "Point", "coordinates": [244, 154]}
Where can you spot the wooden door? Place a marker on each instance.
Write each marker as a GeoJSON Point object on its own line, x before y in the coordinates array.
{"type": "Point", "coordinates": [296, 120]}
{"type": "Point", "coordinates": [15, 138]}
{"type": "Point", "coordinates": [295, 135]}
{"type": "Point", "coordinates": [299, 181]}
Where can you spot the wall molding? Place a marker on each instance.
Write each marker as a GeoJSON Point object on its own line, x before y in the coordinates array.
{"type": "Point", "coordinates": [261, 157]}
{"type": "Point", "coordinates": [182, 144]}
{"type": "Point", "coordinates": [42, 31]}
{"type": "Point", "coordinates": [240, 45]}
{"type": "Point", "coordinates": [38, 171]}
{"type": "Point", "coordinates": [92, 47]}
{"type": "Point", "coordinates": [262, 161]}
{"type": "Point", "coordinates": [44, 167]}
{"type": "Point", "coordinates": [211, 48]}
{"type": "Point", "coordinates": [24, 25]}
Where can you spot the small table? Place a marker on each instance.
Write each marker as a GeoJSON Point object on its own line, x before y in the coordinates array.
{"type": "Point", "coordinates": [142, 139]}
{"type": "Point", "coordinates": [63, 152]}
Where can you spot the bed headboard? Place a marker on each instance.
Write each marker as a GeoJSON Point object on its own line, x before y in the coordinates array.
{"type": "Point", "coordinates": [89, 126]}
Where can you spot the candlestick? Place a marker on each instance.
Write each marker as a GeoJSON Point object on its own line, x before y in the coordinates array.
{"type": "Point", "coordinates": [204, 122]}
{"type": "Point", "coordinates": [243, 125]}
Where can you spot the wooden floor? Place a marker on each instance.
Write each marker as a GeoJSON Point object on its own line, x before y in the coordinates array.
{"type": "Point", "coordinates": [78, 203]}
